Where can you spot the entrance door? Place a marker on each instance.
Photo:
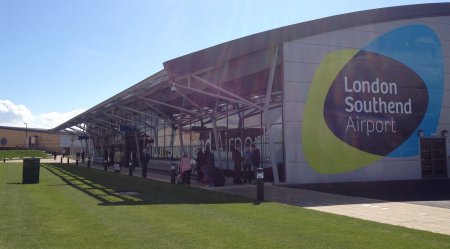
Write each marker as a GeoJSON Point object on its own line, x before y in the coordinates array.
{"type": "Point", "coordinates": [433, 157]}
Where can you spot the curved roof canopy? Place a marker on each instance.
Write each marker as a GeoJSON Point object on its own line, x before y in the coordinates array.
{"type": "Point", "coordinates": [212, 82]}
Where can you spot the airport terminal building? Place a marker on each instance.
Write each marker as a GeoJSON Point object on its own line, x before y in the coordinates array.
{"type": "Point", "coordinates": [363, 96]}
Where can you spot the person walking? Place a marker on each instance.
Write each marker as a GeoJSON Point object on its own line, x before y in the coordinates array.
{"type": "Point", "coordinates": [247, 164]}
{"type": "Point", "coordinates": [200, 162]}
{"type": "Point", "coordinates": [111, 157]}
{"type": "Point", "coordinates": [185, 168]}
{"type": "Point", "coordinates": [208, 164]}
{"type": "Point", "coordinates": [237, 159]}
{"type": "Point", "coordinates": [255, 159]}
{"type": "Point", "coordinates": [118, 158]}
{"type": "Point", "coordinates": [145, 158]}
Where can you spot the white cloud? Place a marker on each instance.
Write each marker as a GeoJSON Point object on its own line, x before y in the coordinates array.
{"type": "Point", "coordinates": [53, 119]}
{"type": "Point", "coordinates": [16, 115]}
{"type": "Point", "coordinates": [12, 114]}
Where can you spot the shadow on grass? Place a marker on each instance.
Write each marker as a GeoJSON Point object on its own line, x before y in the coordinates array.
{"type": "Point", "coordinates": [117, 189]}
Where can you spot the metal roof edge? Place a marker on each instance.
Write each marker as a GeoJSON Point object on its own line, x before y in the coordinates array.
{"type": "Point", "coordinates": [109, 100]}
{"type": "Point", "coordinates": [192, 62]}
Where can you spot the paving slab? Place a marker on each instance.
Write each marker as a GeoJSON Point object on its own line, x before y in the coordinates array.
{"type": "Point", "coordinates": [427, 218]}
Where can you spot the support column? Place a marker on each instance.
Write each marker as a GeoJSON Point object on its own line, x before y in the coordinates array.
{"type": "Point", "coordinates": [138, 153]}
{"type": "Point", "coordinates": [180, 134]}
{"type": "Point", "coordinates": [172, 140]}
{"type": "Point", "coordinates": [216, 134]}
{"type": "Point", "coordinates": [267, 119]}
{"type": "Point", "coordinates": [216, 142]}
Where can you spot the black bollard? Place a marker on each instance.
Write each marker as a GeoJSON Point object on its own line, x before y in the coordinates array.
{"type": "Point", "coordinates": [260, 184]}
{"type": "Point", "coordinates": [105, 165]}
{"type": "Point", "coordinates": [144, 170]}
{"type": "Point", "coordinates": [89, 162]}
{"type": "Point", "coordinates": [172, 174]}
{"type": "Point", "coordinates": [67, 159]}
{"type": "Point", "coordinates": [4, 160]}
{"type": "Point", "coordinates": [61, 159]}
{"type": "Point", "coordinates": [130, 168]}
{"type": "Point", "coordinates": [76, 162]}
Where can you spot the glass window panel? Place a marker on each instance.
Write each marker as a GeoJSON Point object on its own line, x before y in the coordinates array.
{"type": "Point", "coordinates": [233, 121]}
{"type": "Point", "coordinates": [277, 133]}
{"type": "Point", "coordinates": [253, 121]}
{"type": "Point", "coordinates": [276, 116]}
{"type": "Point", "coordinates": [222, 122]}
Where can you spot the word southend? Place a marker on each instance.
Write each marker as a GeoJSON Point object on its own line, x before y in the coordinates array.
{"type": "Point", "coordinates": [377, 105]}
{"type": "Point", "coordinates": [368, 126]}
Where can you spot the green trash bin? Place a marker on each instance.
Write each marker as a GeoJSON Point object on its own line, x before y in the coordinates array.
{"type": "Point", "coordinates": [30, 173]}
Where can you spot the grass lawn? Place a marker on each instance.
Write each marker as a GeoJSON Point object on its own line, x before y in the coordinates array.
{"type": "Point", "coordinates": [74, 207]}
{"type": "Point", "coordinates": [21, 154]}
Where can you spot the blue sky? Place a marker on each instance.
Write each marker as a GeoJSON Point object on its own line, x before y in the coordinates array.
{"type": "Point", "coordinates": [58, 58]}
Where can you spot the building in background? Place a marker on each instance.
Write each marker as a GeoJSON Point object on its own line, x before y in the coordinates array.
{"type": "Point", "coordinates": [39, 139]}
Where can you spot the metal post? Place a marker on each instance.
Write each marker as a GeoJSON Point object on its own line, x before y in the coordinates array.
{"type": "Point", "coordinates": [260, 184]}
{"type": "Point", "coordinates": [89, 162]}
{"type": "Point", "coordinates": [67, 159]}
{"type": "Point", "coordinates": [172, 173]}
{"type": "Point", "coordinates": [4, 160]}
{"type": "Point", "coordinates": [144, 168]}
{"type": "Point", "coordinates": [61, 159]}
{"type": "Point", "coordinates": [76, 162]}
{"type": "Point", "coordinates": [105, 165]}
{"type": "Point", "coordinates": [130, 167]}
{"type": "Point", "coordinates": [26, 135]}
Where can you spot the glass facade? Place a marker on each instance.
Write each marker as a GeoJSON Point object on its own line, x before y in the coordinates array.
{"type": "Point", "coordinates": [241, 127]}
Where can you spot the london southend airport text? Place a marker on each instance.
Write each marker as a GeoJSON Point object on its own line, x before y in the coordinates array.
{"type": "Point", "coordinates": [374, 105]}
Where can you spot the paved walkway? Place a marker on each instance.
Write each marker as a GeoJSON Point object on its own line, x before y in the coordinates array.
{"type": "Point", "coordinates": [421, 217]}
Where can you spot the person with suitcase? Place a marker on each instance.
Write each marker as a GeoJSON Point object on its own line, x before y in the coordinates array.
{"type": "Point", "coordinates": [118, 158]}
{"type": "Point", "coordinates": [255, 159]}
{"type": "Point", "coordinates": [208, 165]}
{"type": "Point", "coordinates": [200, 165]}
{"type": "Point", "coordinates": [185, 168]}
{"type": "Point", "coordinates": [237, 159]}
{"type": "Point", "coordinates": [217, 177]}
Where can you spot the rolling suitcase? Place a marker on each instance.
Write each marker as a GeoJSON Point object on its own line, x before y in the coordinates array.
{"type": "Point", "coordinates": [217, 177]}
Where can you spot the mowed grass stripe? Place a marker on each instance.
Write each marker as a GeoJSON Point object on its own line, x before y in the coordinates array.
{"type": "Point", "coordinates": [21, 154]}
{"type": "Point", "coordinates": [74, 207]}
{"type": "Point", "coordinates": [49, 215]}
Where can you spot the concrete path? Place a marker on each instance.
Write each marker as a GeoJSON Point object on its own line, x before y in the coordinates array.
{"type": "Point", "coordinates": [421, 217]}
{"type": "Point", "coordinates": [414, 216]}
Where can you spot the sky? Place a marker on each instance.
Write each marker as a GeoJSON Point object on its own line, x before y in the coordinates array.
{"type": "Point", "coordinates": [60, 58]}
